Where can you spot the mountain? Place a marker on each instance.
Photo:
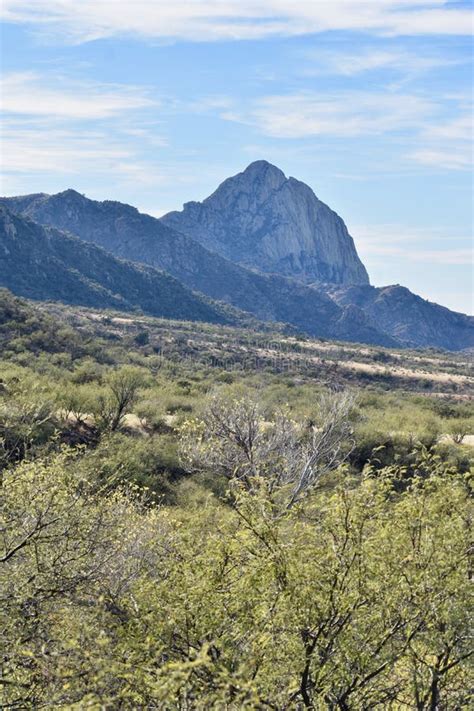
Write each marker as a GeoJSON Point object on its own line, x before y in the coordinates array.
{"type": "Point", "coordinates": [265, 221]}
{"type": "Point", "coordinates": [407, 317]}
{"type": "Point", "coordinates": [129, 234]}
{"type": "Point", "coordinates": [387, 316]}
{"type": "Point", "coordinates": [43, 263]}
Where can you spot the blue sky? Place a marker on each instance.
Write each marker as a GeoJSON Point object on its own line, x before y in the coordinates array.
{"type": "Point", "coordinates": [154, 103]}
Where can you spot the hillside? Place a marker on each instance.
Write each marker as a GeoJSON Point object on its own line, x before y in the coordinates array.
{"type": "Point", "coordinates": [43, 263]}
{"type": "Point", "coordinates": [407, 317]}
{"type": "Point", "coordinates": [243, 351]}
{"type": "Point", "coordinates": [357, 312]}
{"type": "Point", "coordinates": [128, 234]}
{"type": "Point", "coordinates": [151, 470]}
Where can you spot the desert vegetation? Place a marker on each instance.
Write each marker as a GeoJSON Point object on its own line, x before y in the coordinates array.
{"type": "Point", "coordinates": [197, 517]}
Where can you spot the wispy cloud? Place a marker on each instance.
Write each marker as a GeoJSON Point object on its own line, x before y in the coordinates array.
{"type": "Point", "coordinates": [63, 152]}
{"type": "Point", "coordinates": [454, 158]}
{"type": "Point", "coordinates": [30, 94]}
{"type": "Point", "coordinates": [413, 118]}
{"type": "Point", "coordinates": [379, 242]}
{"type": "Point", "coordinates": [426, 256]}
{"type": "Point", "coordinates": [346, 114]}
{"type": "Point", "coordinates": [374, 59]}
{"type": "Point", "coordinates": [199, 20]}
{"type": "Point", "coordinates": [447, 145]}
{"type": "Point", "coordinates": [56, 126]}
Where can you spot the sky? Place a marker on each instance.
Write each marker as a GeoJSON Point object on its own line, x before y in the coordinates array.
{"type": "Point", "coordinates": [154, 103]}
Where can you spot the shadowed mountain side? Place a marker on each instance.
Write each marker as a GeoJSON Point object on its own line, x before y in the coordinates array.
{"type": "Point", "coordinates": [128, 234]}
{"type": "Point", "coordinates": [43, 263]}
{"type": "Point", "coordinates": [365, 314]}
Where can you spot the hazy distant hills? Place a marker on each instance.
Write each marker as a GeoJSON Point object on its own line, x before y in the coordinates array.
{"type": "Point", "coordinates": [262, 243]}
{"type": "Point", "coordinates": [406, 316]}
{"type": "Point", "coordinates": [265, 221]}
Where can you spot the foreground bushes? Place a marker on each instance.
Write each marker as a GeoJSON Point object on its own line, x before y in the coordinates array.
{"type": "Point", "coordinates": [357, 597]}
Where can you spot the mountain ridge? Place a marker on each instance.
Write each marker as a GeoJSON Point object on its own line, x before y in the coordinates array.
{"type": "Point", "coordinates": [43, 263]}
{"type": "Point", "coordinates": [403, 314]}
{"type": "Point", "coordinates": [129, 234]}
{"type": "Point", "coordinates": [389, 315]}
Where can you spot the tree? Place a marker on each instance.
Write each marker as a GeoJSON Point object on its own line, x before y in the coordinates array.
{"type": "Point", "coordinates": [358, 597]}
{"type": "Point", "coordinates": [121, 389]}
{"type": "Point", "coordinates": [459, 428]}
{"type": "Point", "coordinates": [235, 439]}
{"type": "Point", "coordinates": [26, 419]}
{"type": "Point", "coordinates": [67, 560]}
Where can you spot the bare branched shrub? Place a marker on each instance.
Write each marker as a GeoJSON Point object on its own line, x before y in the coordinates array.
{"type": "Point", "coordinates": [236, 439]}
{"type": "Point", "coordinates": [118, 398]}
{"type": "Point", "coordinates": [328, 444]}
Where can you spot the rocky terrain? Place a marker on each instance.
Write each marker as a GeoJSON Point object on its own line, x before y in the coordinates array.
{"type": "Point", "coordinates": [406, 316]}
{"type": "Point", "coordinates": [263, 220]}
{"type": "Point", "coordinates": [129, 234]}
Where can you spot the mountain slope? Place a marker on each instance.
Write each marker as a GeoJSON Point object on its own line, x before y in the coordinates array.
{"type": "Point", "coordinates": [388, 316]}
{"type": "Point", "coordinates": [263, 220]}
{"type": "Point", "coordinates": [407, 317]}
{"type": "Point", "coordinates": [127, 233]}
{"type": "Point", "coordinates": [42, 263]}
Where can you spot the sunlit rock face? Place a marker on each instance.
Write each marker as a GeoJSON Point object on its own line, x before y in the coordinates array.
{"type": "Point", "coordinates": [268, 222]}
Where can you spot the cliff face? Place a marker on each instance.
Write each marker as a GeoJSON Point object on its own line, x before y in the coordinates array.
{"type": "Point", "coordinates": [265, 221]}
{"type": "Point", "coordinates": [391, 316]}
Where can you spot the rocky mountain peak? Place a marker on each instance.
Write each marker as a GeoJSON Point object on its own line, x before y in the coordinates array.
{"type": "Point", "coordinates": [266, 221]}
{"type": "Point", "coordinates": [70, 194]}
{"type": "Point", "coordinates": [252, 188]}
{"type": "Point", "coordinates": [262, 173]}
{"type": "Point", "coordinates": [42, 263]}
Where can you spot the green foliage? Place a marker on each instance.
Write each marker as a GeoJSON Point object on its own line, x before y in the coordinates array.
{"type": "Point", "coordinates": [358, 598]}
{"type": "Point", "coordinates": [176, 535]}
{"type": "Point", "coordinates": [150, 463]}
{"type": "Point", "coordinates": [27, 418]}
{"type": "Point", "coordinates": [22, 328]}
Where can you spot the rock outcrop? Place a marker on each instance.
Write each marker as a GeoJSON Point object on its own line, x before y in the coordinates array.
{"type": "Point", "coordinates": [128, 234]}
{"type": "Point", "coordinates": [386, 316]}
{"type": "Point", "coordinates": [265, 221]}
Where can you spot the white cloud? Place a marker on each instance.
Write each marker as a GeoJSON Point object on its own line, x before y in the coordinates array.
{"type": "Point", "coordinates": [454, 158]}
{"type": "Point", "coordinates": [55, 126]}
{"type": "Point", "coordinates": [61, 151]}
{"type": "Point", "coordinates": [346, 114]}
{"type": "Point", "coordinates": [460, 129]}
{"type": "Point", "coordinates": [347, 64]}
{"type": "Point", "coordinates": [446, 257]}
{"type": "Point", "coordinates": [29, 94]}
{"type": "Point", "coordinates": [199, 20]}
{"type": "Point", "coordinates": [447, 145]}
{"type": "Point", "coordinates": [412, 118]}
{"type": "Point", "coordinates": [377, 242]}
